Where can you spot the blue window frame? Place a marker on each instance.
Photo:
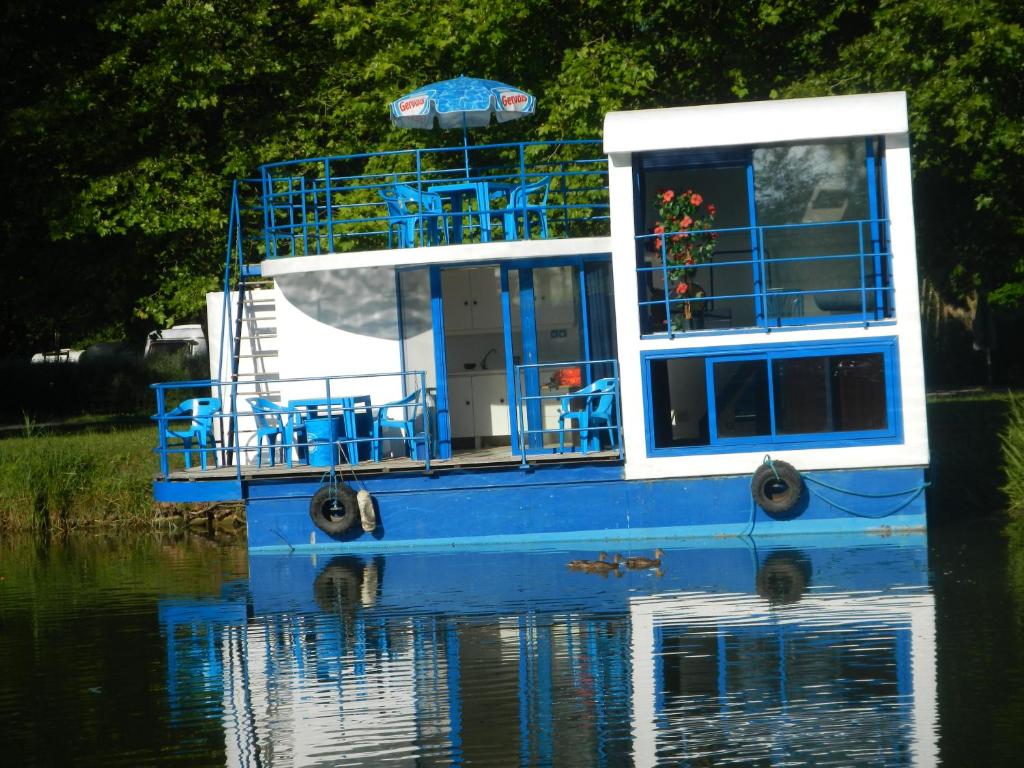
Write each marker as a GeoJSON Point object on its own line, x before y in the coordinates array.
{"type": "Point", "coordinates": [826, 394]}
{"type": "Point", "coordinates": [800, 238]}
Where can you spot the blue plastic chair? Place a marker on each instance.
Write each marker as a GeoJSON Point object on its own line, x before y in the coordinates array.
{"type": "Point", "coordinates": [200, 412]}
{"type": "Point", "coordinates": [410, 408]}
{"type": "Point", "coordinates": [597, 415]}
{"type": "Point", "coordinates": [404, 221]}
{"type": "Point", "coordinates": [523, 201]}
{"type": "Point", "coordinates": [273, 421]}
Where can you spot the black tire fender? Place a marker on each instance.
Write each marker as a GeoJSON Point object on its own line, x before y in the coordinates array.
{"type": "Point", "coordinates": [783, 578]}
{"type": "Point", "coordinates": [334, 509]}
{"type": "Point", "coordinates": [776, 487]}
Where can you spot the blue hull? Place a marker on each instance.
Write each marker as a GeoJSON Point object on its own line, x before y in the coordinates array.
{"type": "Point", "coordinates": [548, 504]}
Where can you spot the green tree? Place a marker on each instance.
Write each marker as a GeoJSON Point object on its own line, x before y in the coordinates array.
{"type": "Point", "coordinates": [962, 68]}
{"type": "Point", "coordinates": [124, 121]}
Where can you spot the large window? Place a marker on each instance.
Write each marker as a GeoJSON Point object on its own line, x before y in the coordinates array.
{"type": "Point", "coordinates": [808, 395]}
{"type": "Point", "coordinates": [799, 237]}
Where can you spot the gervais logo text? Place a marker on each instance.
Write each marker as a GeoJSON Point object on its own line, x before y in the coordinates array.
{"type": "Point", "coordinates": [415, 104]}
{"type": "Point", "coordinates": [514, 102]}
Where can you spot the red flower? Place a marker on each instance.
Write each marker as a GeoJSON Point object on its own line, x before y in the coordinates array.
{"type": "Point", "coordinates": [685, 222]}
{"type": "Point", "coordinates": [667, 195]}
{"type": "Point", "coordinates": [696, 199]}
{"type": "Point", "coordinates": [659, 229]}
{"type": "Point", "coordinates": [677, 238]}
{"type": "Point", "coordinates": [711, 208]}
{"type": "Point", "coordinates": [657, 243]}
{"type": "Point", "coordinates": [681, 289]}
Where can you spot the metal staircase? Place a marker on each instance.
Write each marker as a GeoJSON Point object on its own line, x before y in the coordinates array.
{"type": "Point", "coordinates": [248, 309]}
{"type": "Point", "coordinates": [254, 351]}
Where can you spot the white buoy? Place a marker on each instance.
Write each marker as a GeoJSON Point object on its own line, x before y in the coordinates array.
{"type": "Point", "coordinates": [371, 582]}
{"type": "Point", "coordinates": [367, 515]}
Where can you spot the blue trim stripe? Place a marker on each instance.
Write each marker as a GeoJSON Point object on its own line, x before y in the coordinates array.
{"type": "Point", "coordinates": [205, 490]}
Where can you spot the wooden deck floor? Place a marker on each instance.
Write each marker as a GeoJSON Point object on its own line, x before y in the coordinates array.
{"type": "Point", "coordinates": [465, 459]}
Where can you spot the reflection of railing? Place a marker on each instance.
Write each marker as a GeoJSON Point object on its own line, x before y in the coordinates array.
{"type": "Point", "coordinates": [333, 204]}
{"type": "Point", "coordinates": [541, 417]}
{"type": "Point", "coordinates": [325, 424]}
{"type": "Point", "coordinates": [780, 285]}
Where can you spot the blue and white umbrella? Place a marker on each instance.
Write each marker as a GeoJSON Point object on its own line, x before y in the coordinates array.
{"type": "Point", "coordinates": [463, 102]}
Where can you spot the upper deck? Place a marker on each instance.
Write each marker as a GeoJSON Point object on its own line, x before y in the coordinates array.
{"type": "Point", "coordinates": [384, 208]}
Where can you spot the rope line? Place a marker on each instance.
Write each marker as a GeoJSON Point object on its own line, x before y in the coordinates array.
{"type": "Point", "coordinates": [866, 494]}
{"type": "Point", "coordinates": [855, 513]}
{"type": "Point", "coordinates": [914, 493]}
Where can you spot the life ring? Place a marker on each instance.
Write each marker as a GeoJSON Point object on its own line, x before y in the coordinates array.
{"type": "Point", "coordinates": [776, 487]}
{"type": "Point", "coordinates": [334, 509]}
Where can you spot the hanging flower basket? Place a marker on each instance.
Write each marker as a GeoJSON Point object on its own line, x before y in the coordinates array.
{"type": "Point", "coordinates": [684, 241]}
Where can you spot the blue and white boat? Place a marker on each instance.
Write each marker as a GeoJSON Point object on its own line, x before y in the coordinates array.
{"type": "Point", "coordinates": [704, 324]}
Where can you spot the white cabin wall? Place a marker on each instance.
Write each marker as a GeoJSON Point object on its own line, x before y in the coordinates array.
{"type": "Point", "coordinates": [761, 123]}
{"type": "Point", "coordinates": [908, 301]}
{"type": "Point", "coordinates": [334, 323]}
{"type": "Point", "coordinates": [627, 317]}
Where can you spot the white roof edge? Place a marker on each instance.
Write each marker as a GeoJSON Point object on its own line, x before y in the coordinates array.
{"type": "Point", "coordinates": [440, 255]}
{"type": "Point", "coordinates": [756, 122]}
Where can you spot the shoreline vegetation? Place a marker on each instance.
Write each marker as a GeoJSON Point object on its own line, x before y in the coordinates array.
{"type": "Point", "coordinates": [97, 473]}
{"type": "Point", "coordinates": [89, 474]}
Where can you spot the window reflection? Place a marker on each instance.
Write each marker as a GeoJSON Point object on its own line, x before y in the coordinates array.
{"type": "Point", "coordinates": [741, 398]}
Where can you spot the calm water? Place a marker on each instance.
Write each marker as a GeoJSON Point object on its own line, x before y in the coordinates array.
{"type": "Point", "coordinates": [830, 651]}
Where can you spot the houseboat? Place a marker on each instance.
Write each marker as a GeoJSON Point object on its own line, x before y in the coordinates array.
{"type": "Point", "coordinates": [704, 324]}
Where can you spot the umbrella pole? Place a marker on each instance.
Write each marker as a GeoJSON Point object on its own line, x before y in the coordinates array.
{"type": "Point", "coordinates": [465, 144]}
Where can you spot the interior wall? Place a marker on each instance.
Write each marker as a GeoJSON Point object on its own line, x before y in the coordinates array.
{"type": "Point", "coordinates": [687, 395]}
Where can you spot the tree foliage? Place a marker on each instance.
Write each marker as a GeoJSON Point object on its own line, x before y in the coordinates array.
{"type": "Point", "coordinates": [124, 121]}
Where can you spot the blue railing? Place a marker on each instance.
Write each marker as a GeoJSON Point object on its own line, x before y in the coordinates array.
{"type": "Point", "coordinates": [786, 274]}
{"type": "Point", "coordinates": [322, 425]}
{"type": "Point", "coordinates": [334, 204]}
{"type": "Point", "coordinates": [582, 402]}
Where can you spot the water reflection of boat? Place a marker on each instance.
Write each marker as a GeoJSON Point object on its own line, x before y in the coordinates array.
{"type": "Point", "coordinates": [744, 651]}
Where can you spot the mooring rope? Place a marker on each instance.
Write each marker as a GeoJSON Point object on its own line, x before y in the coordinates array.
{"type": "Point", "coordinates": [914, 493]}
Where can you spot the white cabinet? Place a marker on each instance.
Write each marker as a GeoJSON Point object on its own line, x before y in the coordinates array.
{"type": "Point", "coordinates": [460, 406]}
{"type": "Point", "coordinates": [472, 298]}
{"type": "Point", "coordinates": [478, 405]}
{"type": "Point", "coordinates": [490, 404]}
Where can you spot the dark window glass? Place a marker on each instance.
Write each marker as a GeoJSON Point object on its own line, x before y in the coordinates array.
{"type": "Point", "coordinates": [858, 392]}
{"type": "Point", "coordinates": [829, 394]}
{"type": "Point", "coordinates": [741, 398]}
{"type": "Point", "coordinates": [801, 395]}
{"type": "Point", "coordinates": [679, 402]}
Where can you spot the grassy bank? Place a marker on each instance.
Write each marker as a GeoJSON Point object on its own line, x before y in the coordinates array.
{"type": "Point", "coordinates": [56, 483]}
{"type": "Point", "coordinates": [1012, 439]}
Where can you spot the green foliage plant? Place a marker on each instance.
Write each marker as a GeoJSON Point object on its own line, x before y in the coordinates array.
{"type": "Point", "coordinates": [1012, 441]}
